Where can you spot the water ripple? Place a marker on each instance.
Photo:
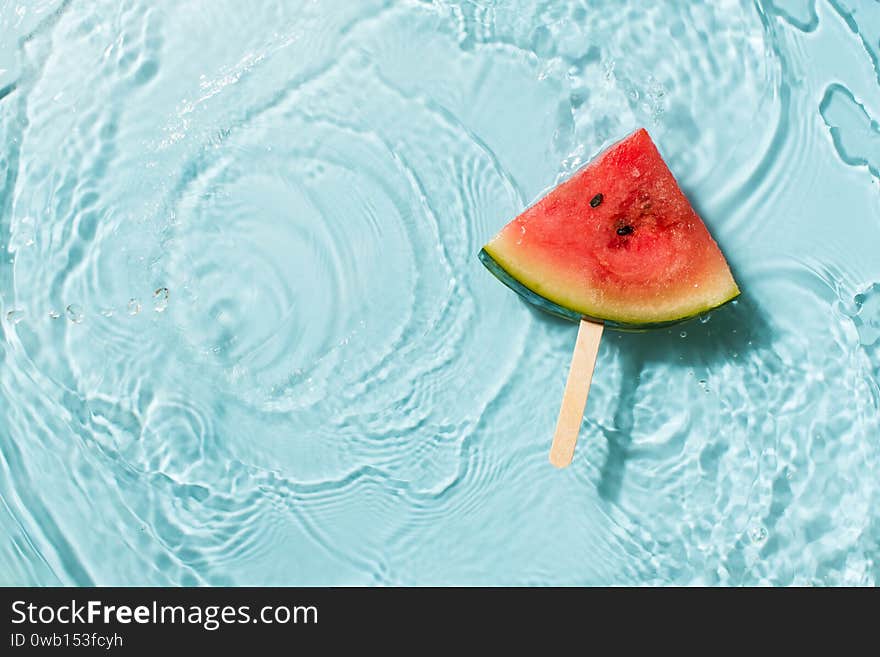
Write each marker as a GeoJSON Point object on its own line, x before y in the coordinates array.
{"type": "Point", "coordinates": [856, 135]}
{"type": "Point", "coordinates": [245, 340]}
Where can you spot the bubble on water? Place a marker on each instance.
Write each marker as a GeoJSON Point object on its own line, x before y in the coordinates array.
{"type": "Point", "coordinates": [704, 319]}
{"type": "Point", "coordinates": [758, 534]}
{"type": "Point", "coordinates": [107, 312]}
{"type": "Point", "coordinates": [54, 314]}
{"type": "Point", "coordinates": [704, 385]}
{"type": "Point", "coordinates": [683, 334]}
{"type": "Point", "coordinates": [655, 98]}
{"type": "Point", "coordinates": [160, 299]}
{"type": "Point", "coordinates": [75, 313]}
{"type": "Point", "coordinates": [14, 316]}
{"type": "Point", "coordinates": [134, 306]}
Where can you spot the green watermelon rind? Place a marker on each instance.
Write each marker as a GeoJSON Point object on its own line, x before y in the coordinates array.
{"type": "Point", "coordinates": [545, 304]}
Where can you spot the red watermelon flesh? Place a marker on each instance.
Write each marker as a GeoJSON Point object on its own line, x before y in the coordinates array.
{"type": "Point", "coordinates": [617, 242]}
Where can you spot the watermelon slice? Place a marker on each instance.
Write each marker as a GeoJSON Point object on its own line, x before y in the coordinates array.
{"type": "Point", "coordinates": [618, 243]}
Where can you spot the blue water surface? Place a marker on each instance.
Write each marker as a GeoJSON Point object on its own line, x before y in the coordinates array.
{"type": "Point", "coordinates": [245, 338]}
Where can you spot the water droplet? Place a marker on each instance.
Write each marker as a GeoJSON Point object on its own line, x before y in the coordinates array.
{"type": "Point", "coordinates": [160, 299]}
{"type": "Point", "coordinates": [107, 312]}
{"type": "Point", "coordinates": [683, 334]}
{"type": "Point", "coordinates": [758, 534]}
{"type": "Point", "coordinates": [134, 306]}
{"type": "Point", "coordinates": [15, 316]}
{"type": "Point", "coordinates": [54, 314]}
{"type": "Point", "coordinates": [704, 319]}
{"type": "Point", "coordinates": [75, 313]}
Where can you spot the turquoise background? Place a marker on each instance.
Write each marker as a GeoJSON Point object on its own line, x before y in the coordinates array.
{"type": "Point", "coordinates": [245, 338]}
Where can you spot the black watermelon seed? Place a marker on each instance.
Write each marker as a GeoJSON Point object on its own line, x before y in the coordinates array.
{"type": "Point", "coordinates": [596, 201]}
{"type": "Point", "coordinates": [625, 230]}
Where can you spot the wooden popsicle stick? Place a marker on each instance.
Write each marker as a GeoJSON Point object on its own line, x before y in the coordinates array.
{"type": "Point", "coordinates": [574, 400]}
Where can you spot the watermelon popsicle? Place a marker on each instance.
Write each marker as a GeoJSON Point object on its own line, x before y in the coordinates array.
{"type": "Point", "coordinates": [617, 245]}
